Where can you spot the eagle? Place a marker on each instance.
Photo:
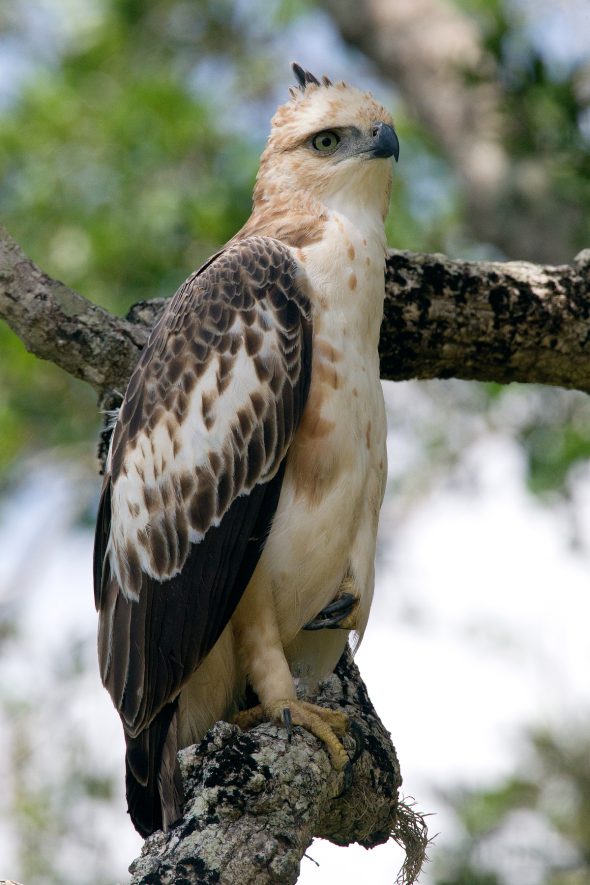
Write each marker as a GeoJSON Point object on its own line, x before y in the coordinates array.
{"type": "Point", "coordinates": [236, 532]}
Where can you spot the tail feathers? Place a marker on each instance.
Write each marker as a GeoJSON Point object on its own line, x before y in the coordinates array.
{"type": "Point", "coordinates": [152, 777]}
{"type": "Point", "coordinates": [169, 780]}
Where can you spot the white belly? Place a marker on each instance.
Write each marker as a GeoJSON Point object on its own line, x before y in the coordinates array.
{"type": "Point", "coordinates": [325, 525]}
{"type": "Point", "coordinates": [326, 520]}
{"type": "Point", "coordinates": [324, 510]}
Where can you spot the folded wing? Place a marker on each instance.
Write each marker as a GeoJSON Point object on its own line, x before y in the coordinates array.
{"type": "Point", "coordinates": [192, 484]}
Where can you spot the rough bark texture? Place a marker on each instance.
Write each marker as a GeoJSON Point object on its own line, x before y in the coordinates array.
{"type": "Point", "coordinates": [488, 321]}
{"type": "Point", "coordinates": [57, 324]}
{"type": "Point", "coordinates": [255, 801]}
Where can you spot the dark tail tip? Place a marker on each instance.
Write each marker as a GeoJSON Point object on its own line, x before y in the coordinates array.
{"type": "Point", "coordinates": [152, 776]}
{"type": "Point", "coordinates": [143, 804]}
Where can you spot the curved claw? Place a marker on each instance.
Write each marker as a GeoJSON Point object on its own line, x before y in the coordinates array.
{"type": "Point", "coordinates": [288, 723]}
{"type": "Point", "coordinates": [347, 780]}
{"type": "Point", "coordinates": [332, 616]}
{"type": "Point", "coordinates": [359, 739]}
{"type": "Point", "coordinates": [327, 725]}
{"type": "Point", "coordinates": [357, 733]}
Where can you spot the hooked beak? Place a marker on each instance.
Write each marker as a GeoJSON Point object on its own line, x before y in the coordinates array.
{"type": "Point", "coordinates": [385, 141]}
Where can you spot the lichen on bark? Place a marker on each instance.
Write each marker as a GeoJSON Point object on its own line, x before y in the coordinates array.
{"type": "Point", "coordinates": [255, 801]}
{"type": "Point", "coordinates": [487, 321]}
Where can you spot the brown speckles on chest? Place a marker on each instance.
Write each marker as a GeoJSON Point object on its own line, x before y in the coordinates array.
{"type": "Point", "coordinates": [325, 375]}
{"type": "Point", "coordinates": [324, 351]}
{"type": "Point", "coordinates": [314, 425]}
{"type": "Point", "coordinates": [312, 465]}
{"type": "Point", "coordinates": [310, 476]}
{"type": "Point", "coordinates": [328, 374]}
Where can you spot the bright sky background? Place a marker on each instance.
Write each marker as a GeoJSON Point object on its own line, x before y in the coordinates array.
{"type": "Point", "coordinates": [479, 629]}
{"type": "Point", "coordinates": [480, 622]}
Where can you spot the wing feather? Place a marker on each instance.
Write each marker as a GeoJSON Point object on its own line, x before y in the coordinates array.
{"type": "Point", "coordinates": [195, 470]}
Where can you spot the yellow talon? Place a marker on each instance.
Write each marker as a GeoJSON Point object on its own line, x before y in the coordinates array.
{"type": "Point", "coordinates": [325, 724]}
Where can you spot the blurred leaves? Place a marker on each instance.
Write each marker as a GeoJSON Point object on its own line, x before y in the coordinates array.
{"type": "Point", "coordinates": [126, 158]}
{"type": "Point", "coordinates": [116, 176]}
{"type": "Point", "coordinates": [39, 404]}
{"type": "Point", "coordinates": [545, 808]}
{"type": "Point", "coordinates": [545, 104]}
{"type": "Point", "coordinates": [58, 806]}
{"type": "Point", "coordinates": [120, 186]}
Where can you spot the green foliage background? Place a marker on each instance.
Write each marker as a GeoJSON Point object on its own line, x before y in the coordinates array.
{"type": "Point", "coordinates": [116, 175]}
{"type": "Point", "coordinates": [122, 169]}
{"type": "Point", "coordinates": [127, 156]}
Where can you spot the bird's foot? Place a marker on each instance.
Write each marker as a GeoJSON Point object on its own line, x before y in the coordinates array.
{"type": "Point", "coordinates": [340, 614]}
{"type": "Point", "coordinates": [325, 724]}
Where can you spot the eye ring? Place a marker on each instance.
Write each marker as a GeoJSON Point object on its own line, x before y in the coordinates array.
{"type": "Point", "coordinates": [326, 142]}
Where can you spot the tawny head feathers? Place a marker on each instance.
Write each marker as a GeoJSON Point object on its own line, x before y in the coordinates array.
{"type": "Point", "coordinates": [324, 142]}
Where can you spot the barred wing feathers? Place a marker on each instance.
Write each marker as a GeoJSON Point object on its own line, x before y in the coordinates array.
{"type": "Point", "coordinates": [194, 476]}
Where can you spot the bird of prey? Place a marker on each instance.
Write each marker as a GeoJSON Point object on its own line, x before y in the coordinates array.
{"type": "Point", "coordinates": [247, 465]}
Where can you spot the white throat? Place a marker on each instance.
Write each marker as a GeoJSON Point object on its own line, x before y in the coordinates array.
{"type": "Point", "coordinates": [361, 199]}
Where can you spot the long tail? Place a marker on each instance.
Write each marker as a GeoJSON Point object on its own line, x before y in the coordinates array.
{"type": "Point", "coordinates": [152, 776]}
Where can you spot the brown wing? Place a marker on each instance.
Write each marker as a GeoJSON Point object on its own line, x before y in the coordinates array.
{"type": "Point", "coordinates": [194, 475]}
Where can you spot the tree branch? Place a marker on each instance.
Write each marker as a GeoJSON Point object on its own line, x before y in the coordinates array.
{"type": "Point", "coordinates": [255, 801]}
{"type": "Point", "coordinates": [488, 321]}
{"type": "Point", "coordinates": [57, 324]}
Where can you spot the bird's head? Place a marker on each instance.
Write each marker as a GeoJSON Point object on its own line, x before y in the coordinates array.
{"type": "Point", "coordinates": [331, 142]}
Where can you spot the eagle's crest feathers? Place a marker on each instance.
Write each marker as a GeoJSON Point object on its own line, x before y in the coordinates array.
{"type": "Point", "coordinates": [247, 465]}
{"type": "Point", "coordinates": [292, 181]}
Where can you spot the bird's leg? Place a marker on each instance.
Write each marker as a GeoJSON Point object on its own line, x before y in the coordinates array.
{"type": "Point", "coordinates": [341, 613]}
{"type": "Point", "coordinates": [263, 658]}
{"type": "Point", "coordinates": [326, 725]}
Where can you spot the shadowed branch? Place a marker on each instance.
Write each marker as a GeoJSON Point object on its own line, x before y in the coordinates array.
{"type": "Point", "coordinates": [255, 802]}
{"type": "Point", "coordinates": [488, 321]}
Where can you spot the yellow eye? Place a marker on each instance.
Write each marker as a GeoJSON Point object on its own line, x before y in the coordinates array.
{"type": "Point", "coordinates": [326, 141]}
